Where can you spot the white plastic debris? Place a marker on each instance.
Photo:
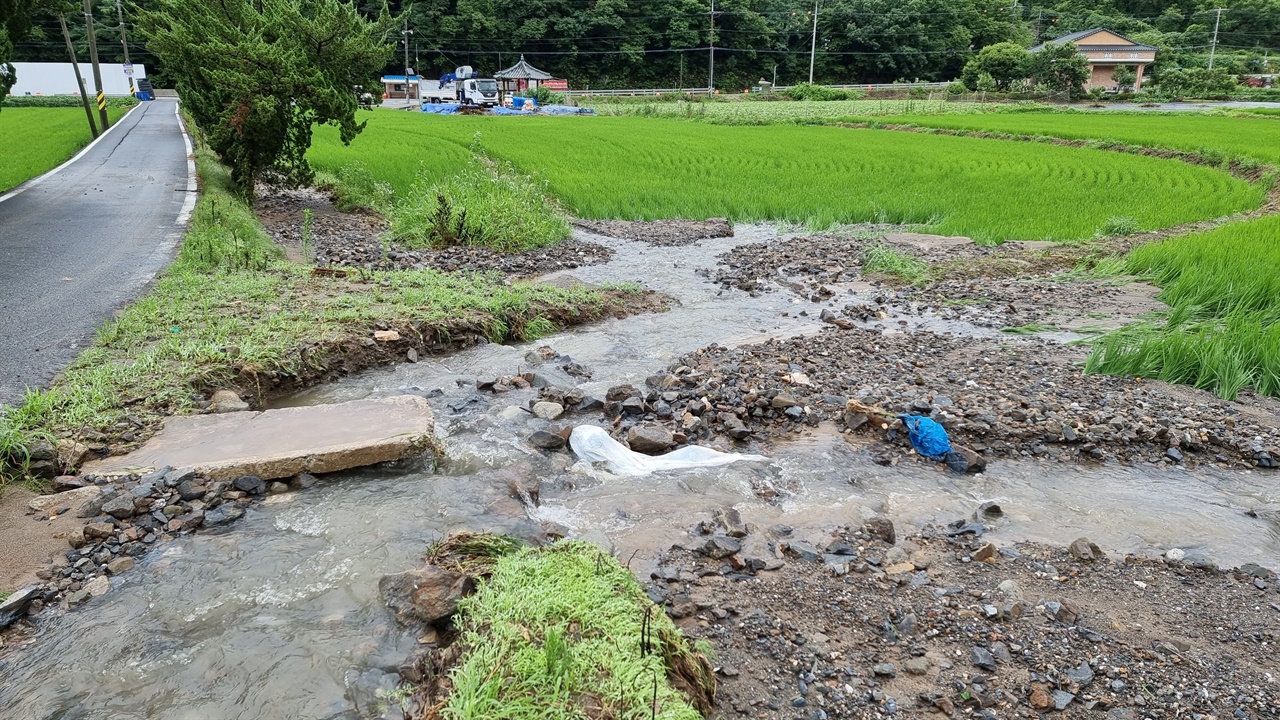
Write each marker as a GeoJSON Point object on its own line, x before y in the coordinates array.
{"type": "Point", "coordinates": [594, 445]}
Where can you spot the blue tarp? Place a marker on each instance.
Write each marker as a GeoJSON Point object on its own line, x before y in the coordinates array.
{"type": "Point", "coordinates": [565, 110]}
{"type": "Point", "coordinates": [440, 108]}
{"type": "Point", "coordinates": [509, 111]}
{"type": "Point", "coordinates": [927, 437]}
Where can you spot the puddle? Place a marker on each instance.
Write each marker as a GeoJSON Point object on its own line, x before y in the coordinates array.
{"type": "Point", "coordinates": [279, 615]}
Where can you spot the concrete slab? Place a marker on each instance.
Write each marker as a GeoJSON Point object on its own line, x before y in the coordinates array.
{"type": "Point", "coordinates": [927, 243]}
{"type": "Point", "coordinates": [281, 443]}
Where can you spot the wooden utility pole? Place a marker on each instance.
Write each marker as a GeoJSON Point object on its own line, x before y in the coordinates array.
{"type": "Point", "coordinates": [124, 44]}
{"type": "Point", "coordinates": [84, 94]}
{"type": "Point", "coordinates": [97, 71]}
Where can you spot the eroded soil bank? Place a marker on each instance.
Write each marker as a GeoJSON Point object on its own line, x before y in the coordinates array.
{"type": "Point", "coordinates": [282, 606]}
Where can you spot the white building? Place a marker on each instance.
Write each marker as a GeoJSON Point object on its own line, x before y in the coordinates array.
{"type": "Point", "coordinates": [60, 79]}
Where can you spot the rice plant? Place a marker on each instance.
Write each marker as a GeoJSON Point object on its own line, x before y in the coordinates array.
{"type": "Point", "coordinates": [645, 169]}
{"type": "Point", "coordinates": [1222, 332]}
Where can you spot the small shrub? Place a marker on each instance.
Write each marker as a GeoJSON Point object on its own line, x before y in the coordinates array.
{"type": "Point", "coordinates": [957, 88]}
{"type": "Point", "coordinates": [543, 96]}
{"type": "Point", "coordinates": [809, 91]}
{"type": "Point", "coordinates": [1119, 225]}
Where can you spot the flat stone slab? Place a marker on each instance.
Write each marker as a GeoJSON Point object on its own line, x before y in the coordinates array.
{"type": "Point", "coordinates": [921, 241]}
{"type": "Point", "coordinates": [282, 443]}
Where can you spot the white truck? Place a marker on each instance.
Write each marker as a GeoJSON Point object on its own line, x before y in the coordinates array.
{"type": "Point", "coordinates": [462, 86]}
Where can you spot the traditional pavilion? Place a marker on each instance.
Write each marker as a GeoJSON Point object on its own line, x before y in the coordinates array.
{"type": "Point", "coordinates": [521, 76]}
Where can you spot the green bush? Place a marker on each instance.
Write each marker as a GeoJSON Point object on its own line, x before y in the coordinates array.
{"type": "Point", "coordinates": [957, 88]}
{"type": "Point", "coordinates": [48, 101]}
{"type": "Point", "coordinates": [1120, 226]}
{"type": "Point", "coordinates": [487, 203]}
{"type": "Point", "coordinates": [809, 91]}
{"type": "Point", "coordinates": [543, 96]}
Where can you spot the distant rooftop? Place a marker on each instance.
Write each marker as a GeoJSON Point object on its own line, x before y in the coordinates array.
{"type": "Point", "coordinates": [1076, 37]}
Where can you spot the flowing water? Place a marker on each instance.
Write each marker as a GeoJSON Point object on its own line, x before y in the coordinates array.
{"type": "Point", "coordinates": [279, 616]}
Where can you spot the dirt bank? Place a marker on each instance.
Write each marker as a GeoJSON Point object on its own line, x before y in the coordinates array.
{"type": "Point", "coordinates": [359, 240]}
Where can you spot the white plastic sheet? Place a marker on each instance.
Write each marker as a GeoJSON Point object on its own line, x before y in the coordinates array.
{"type": "Point", "coordinates": [594, 445]}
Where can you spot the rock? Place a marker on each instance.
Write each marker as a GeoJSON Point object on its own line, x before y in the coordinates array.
{"type": "Point", "coordinates": [900, 568]}
{"type": "Point", "coordinates": [985, 553]}
{"type": "Point", "coordinates": [189, 491]}
{"type": "Point", "coordinates": [633, 406]}
{"type": "Point", "coordinates": [226, 401]}
{"type": "Point", "coordinates": [15, 606]}
{"type": "Point", "coordinates": [119, 565]}
{"type": "Point", "coordinates": [120, 507]}
{"type": "Point", "coordinates": [98, 586]}
{"type": "Point", "coordinates": [896, 556]}
{"type": "Point", "coordinates": [282, 443]}
{"type": "Point", "coordinates": [884, 670]}
{"type": "Point", "coordinates": [721, 546]}
{"type": "Point", "coordinates": [277, 488]}
{"type": "Point", "coordinates": [982, 658]}
{"type": "Point", "coordinates": [302, 481]}
{"type": "Point", "coordinates": [72, 454]}
{"type": "Point", "coordinates": [916, 666]}
{"type": "Point", "coordinates": [546, 440]}
{"type": "Point", "coordinates": [68, 498]}
{"type": "Point", "coordinates": [411, 355]}
{"type": "Point", "coordinates": [589, 404]}
{"type": "Point", "coordinates": [1040, 698]}
{"type": "Point", "coordinates": [385, 336]}
{"type": "Point", "coordinates": [734, 427]}
{"type": "Point", "coordinates": [63, 483]}
{"type": "Point", "coordinates": [731, 522]}
{"type": "Point", "coordinates": [1061, 699]}
{"type": "Point", "coordinates": [804, 550]}
{"type": "Point", "coordinates": [42, 451]}
{"type": "Point", "coordinates": [76, 538]}
{"type": "Point", "coordinates": [428, 595]}
{"type": "Point", "coordinates": [1082, 675]}
{"type": "Point", "coordinates": [548, 410]}
{"type": "Point", "coordinates": [854, 420]}
{"type": "Point", "coordinates": [782, 401]}
{"type": "Point", "coordinates": [649, 439]}
{"type": "Point", "coordinates": [223, 514]}
{"type": "Point", "coordinates": [1174, 454]}
{"type": "Point", "coordinates": [1175, 555]}
{"type": "Point", "coordinates": [1085, 550]}
{"type": "Point", "coordinates": [99, 530]}
{"type": "Point", "coordinates": [881, 527]}
{"type": "Point", "coordinates": [963, 460]}
{"type": "Point", "coordinates": [251, 484]}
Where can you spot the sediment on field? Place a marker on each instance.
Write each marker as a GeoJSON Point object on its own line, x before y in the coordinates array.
{"type": "Point", "coordinates": [564, 627]}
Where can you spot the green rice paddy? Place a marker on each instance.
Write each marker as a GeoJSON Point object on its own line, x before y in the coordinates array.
{"type": "Point", "coordinates": [1255, 137]}
{"type": "Point", "coordinates": [37, 140]}
{"type": "Point", "coordinates": [1223, 330]}
{"type": "Point", "coordinates": [649, 168]}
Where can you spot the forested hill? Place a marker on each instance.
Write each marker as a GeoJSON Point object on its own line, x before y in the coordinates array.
{"type": "Point", "coordinates": [664, 43]}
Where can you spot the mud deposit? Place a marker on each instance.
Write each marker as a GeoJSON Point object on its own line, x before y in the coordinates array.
{"type": "Point", "coordinates": [947, 624]}
{"type": "Point", "coordinates": [662, 233]}
{"type": "Point", "coordinates": [278, 614]}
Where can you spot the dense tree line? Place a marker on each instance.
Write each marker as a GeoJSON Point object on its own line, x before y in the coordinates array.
{"type": "Point", "coordinates": [663, 43]}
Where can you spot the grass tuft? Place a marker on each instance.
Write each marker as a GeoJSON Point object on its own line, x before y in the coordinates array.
{"type": "Point", "coordinates": [885, 260]}
{"type": "Point", "coordinates": [566, 633]}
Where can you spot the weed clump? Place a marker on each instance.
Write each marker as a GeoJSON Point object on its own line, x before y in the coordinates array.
{"type": "Point", "coordinates": [1119, 225]}
{"type": "Point", "coordinates": [880, 258]}
{"type": "Point", "coordinates": [488, 203]}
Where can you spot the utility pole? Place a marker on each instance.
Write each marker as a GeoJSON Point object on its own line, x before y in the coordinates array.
{"type": "Point", "coordinates": [1214, 46]}
{"type": "Point", "coordinates": [1039, 19]}
{"type": "Point", "coordinates": [124, 43]}
{"type": "Point", "coordinates": [1013, 22]}
{"type": "Point", "coordinates": [407, 33]}
{"type": "Point", "coordinates": [813, 41]}
{"type": "Point", "coordinates": [97, 71]}
{"type": "Point", "coordinates": [681, 71]}
{"type": "Point", "coordinates": [711, 61]}
{"type": "Point", "coordinates": [84, 94]}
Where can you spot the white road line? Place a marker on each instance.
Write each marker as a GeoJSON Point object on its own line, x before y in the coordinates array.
{"type": "Point", "coordinates": [36, 181]}
{"type": "Point", "coordinates": [189, 203]}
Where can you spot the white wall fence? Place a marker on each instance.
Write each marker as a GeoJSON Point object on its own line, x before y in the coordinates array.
{"type": "Point", "coordinates": [60, 79]}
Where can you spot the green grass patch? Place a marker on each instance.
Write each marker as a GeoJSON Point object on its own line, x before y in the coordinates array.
{"type": "Point", "coordinates": [638, 168]}
{"type": "Point", "coordinates": [1220, 135]}
{"type": "Point", "coordinates": [882, 259]}
{"type": "Point", "coordinates": [566, 633]}
{"type": "Point", "coordinates": [486, 203]}
{"type": "Point", "coordinates": [38, 139]}
{"type": "Point", "coordinates": [1222, 332]}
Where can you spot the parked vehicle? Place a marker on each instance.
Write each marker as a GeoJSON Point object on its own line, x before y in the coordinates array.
{"type": "Point", "coordinates": [465, 87]}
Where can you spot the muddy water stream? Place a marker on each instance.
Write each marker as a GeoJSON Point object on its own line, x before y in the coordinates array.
{"type": "Point", "coordinates": [279, 615]}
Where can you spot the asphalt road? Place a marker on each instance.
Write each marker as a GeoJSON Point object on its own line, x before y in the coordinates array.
{"type": "Point", "coordinates": [78, 245]}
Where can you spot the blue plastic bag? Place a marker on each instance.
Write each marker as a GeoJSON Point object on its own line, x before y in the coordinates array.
{"type": "Point", "coordinates": [927, 437]}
